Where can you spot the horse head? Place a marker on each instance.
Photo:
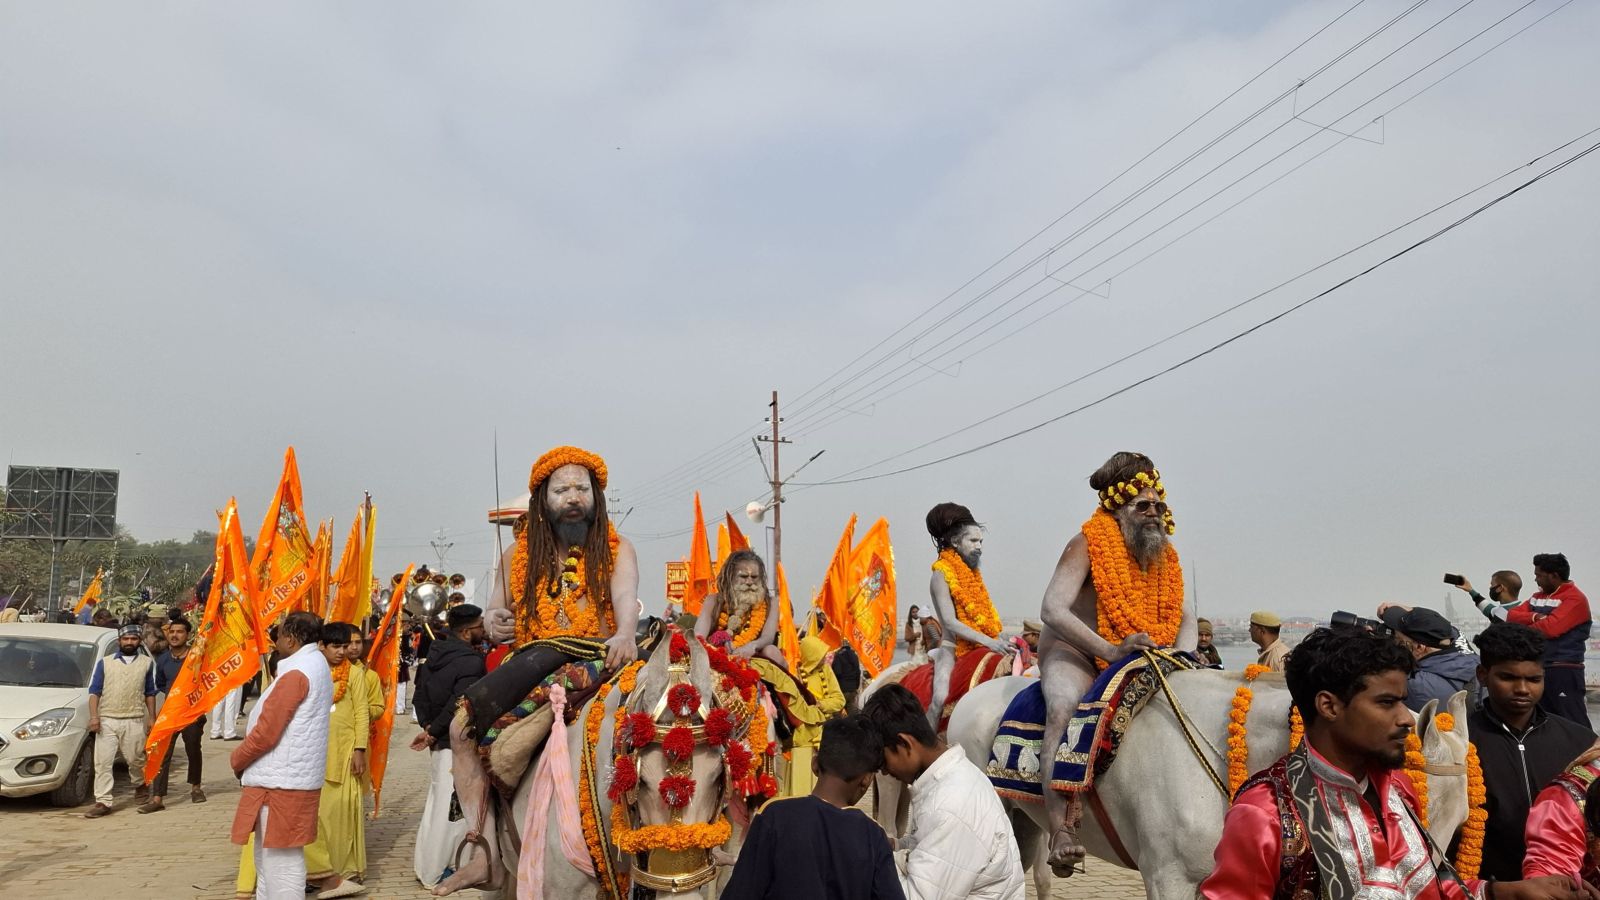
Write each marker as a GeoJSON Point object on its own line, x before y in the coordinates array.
{"type": "Point", "coordinates": [1445, 755]}
{"type": "Point", "coordinates": [683, 752]}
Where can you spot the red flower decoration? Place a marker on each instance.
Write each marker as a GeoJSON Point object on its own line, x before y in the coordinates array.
{"type": "Point", "coordinates": [624, 778]}
{"type": "Point", "coordinates": [683, 700]}
{"type": "Point", "coordinates": [677, 791]}
{"type": "Point", "coordinates": [678, 744]}
{"type": "Point", "coordinates": [719, 727]}
{"type": "Point", "coordinates": [641, 730]}
{"type": "Point", "coordinates": [769, 786]}
{"type": "Point", "coordinates": [738, 759]}
{"type": "Point", "coordinates": [720, 638]}
{"type": "Point", "coordinates": [679, 647]}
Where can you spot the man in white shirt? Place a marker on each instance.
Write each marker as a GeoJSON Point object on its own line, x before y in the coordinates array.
{"type": "Point", "coordinates": [960, 842]}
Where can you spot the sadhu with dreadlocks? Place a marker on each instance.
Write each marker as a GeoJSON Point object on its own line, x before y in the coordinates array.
{"type": "Point", "coordinates": [570, 598]}
{"type": "Point", "coordinates": [742, 607]}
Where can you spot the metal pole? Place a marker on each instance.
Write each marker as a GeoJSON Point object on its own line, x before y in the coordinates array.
{"type": "Point", "coordinates": [55, 570]}
{"type": "Point", "coordinates": [777, 492]}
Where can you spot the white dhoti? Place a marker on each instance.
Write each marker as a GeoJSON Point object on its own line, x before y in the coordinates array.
{"type": "Point", "coordinates": [126, 735]}
{"type": "Point", "coordinates": [280, 872]}
{"type": "Point", "coordinates": [437, 836]}
{"type": "Point", "coordinates": [225, 715]}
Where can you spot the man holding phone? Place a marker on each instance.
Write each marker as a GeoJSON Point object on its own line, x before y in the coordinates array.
{"type": "Point", "coordinates": [1504, 588]}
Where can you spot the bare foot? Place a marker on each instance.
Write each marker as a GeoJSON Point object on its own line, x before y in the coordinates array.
{"type": "Point", "coordinates": [1066, 854]}
{"type": "Point", "coordinates": [471, 874]}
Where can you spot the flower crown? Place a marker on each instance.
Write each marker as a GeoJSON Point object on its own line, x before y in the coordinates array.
{"type": "Point", "coordinates": [547, 464]}
{"type": "Point", "coordinates": [1114, 497]}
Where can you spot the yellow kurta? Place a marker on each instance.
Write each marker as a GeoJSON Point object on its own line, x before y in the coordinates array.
{"type": "Point", "coordinates": [819, 680]}
{"type": "Point", "coordinates": [341, 844]}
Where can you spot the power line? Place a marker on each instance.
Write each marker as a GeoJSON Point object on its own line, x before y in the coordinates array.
{"type": "Point", "coordinates": [1272, 319]}
{"type": "Point", "coordinates": [1069, 281]}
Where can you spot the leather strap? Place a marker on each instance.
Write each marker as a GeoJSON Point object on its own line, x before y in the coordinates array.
{"type": "Point", "coordinates": [1106, 828]}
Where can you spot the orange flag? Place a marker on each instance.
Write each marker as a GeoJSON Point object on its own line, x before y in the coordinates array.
{"type": "Point", "coordinates": [834, 598]}
{"type": "Point", "coordinates": [282, 562]}
{"type": "Point", "coordinates": [367, 584]}
{"type": "Point", "coordinates": [724, 547]}
{"type": "Point", "coordinates": [227, 647]}
{"type": "Point", "coordinates": [347, 585]}
{"type": "Point", "coordinates": [384, 658]}
{"type": "Point", "coordinates": [316, 598]}
{"type": "Point", "coordinates": [736, 538]}
{"type": "Point", "coordinates": [92, 593]}
{"type": "Point", "coordinates": [788, 636]}
{"type": "Point", "coordinates": [870, 626]}
{"type": "Point", "coordinates": [701, 578]}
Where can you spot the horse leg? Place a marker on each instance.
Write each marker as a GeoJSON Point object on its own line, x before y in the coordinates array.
{"type": "Point", "coordinates": [1032, 849]}
{"type": "Point", "coordinates": [944, 662]}
{"type": "Point", "coordinates": [477, 807]}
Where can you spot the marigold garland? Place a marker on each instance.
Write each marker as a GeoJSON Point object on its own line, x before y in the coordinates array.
{"type": "Point", "coordinates": [1130, 600]}
{"type": "Point", "coordinates": [541, 619]}
{"type": "Point", "coordinates": [974, 609]}
{"type": "Point", "coordinates": [1469, 854]}
{"type": "Point", "coordinates": [1238, 746]}
{"type": "Point", "coordinates": [680, 836]}
{"type": "Point", "coordinates": [341, 679]}
{"type": "Point", "coordinates": [546, 465]}
{"type": "Point", "coordinates": [1414, 764]}
{"type": "Point", "coordinates": [1297, 728]}
{"type": "Point", "coordinates": [755, 620]}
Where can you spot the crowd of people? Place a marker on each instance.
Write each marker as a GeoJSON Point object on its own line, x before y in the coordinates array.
{"type": "Point", "coordinates": [571, 606]}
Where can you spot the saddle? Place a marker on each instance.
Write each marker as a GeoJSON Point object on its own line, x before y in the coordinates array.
{"type": "Point", "coordinates": [971, 669]}
{"type": "Point", "coordinates": [1090, 744]}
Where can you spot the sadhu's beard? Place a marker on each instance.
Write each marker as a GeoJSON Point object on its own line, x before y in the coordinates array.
{"type": "Point", "coordinates": [574, 532]}
{"type": "Point", "coordinates": [744, 599]}
{"type": "Point", "coordinates": [1146, 539]}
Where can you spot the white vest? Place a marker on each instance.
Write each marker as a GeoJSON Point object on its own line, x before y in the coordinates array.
{"type": "Point", "coordinates": [301, 755]}
{"type": "Point", "coordinates": [122, 686]}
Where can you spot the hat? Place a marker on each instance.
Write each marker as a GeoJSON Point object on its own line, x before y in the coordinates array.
{"type": "Point", "coordinates": [130, 631]}
{"type": "Point", "coordinates": [1421, 624]}
{"type": "Point", "coordinates": [1203, 624]}
{"type": "Point", "coordinates": [1266, 619]}
{"type": "Point", "coordinates": [1032, 626]}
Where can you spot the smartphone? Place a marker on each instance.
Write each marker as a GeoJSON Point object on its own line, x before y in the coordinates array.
{"type": "Point", "coordinates": [1456, 580]}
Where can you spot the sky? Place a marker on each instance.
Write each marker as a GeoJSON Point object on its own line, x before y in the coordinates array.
{"type": "Point", "coordinates": [402, 238]}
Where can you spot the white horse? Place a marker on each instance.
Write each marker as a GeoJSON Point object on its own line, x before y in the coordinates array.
{"type": "Point", "coordinates": [563, 880]}
{"type": "Point", "coordinates": [1161, 805]}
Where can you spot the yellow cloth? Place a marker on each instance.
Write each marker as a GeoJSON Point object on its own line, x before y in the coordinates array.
{"type": "Point", "coordinates": [818, 678]}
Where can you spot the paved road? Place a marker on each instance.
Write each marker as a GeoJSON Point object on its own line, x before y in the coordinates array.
{"type": "Point", "coordinates": [184, 851]}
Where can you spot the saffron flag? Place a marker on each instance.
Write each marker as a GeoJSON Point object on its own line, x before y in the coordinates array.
{"type": "Point", "coordinates": [384, 658]}
{"type": "Point", "coordinates": [282, 562]}
{"type": "Point", "coordinates": [724, 547]}
{"type": "Point", "coordinates": [788, 637]}
{"type": "Point", "coordinates": [347, 585]}
{"type": "Point", "coordinates": [834, 598]}
{"type": "Point", "coordinates": [701, 578]}
{"type": "Point", "coordinates": [872, 609]}
{"type": "Point", "coordinates": [226, 650]}
{"type": "Point", "coordinates": [368, 587]}
{"type": "Point", "coordinates": [316, 598]}
{"type": "Point", "coordinates": [736, 538]}
{"type": "Point", "coordinates": [92, 593]}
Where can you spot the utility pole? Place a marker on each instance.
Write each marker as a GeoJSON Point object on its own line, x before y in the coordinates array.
{"type": "Point", "coordinates": [441, 547]}
{"type": "Point", "coordinates": [777, 486]}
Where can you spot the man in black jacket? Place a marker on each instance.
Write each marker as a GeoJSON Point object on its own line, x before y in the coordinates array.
{"type": "Point", "coordinates": [1520, 746]}
{"type": "Point", "coordinates": [453, 665]}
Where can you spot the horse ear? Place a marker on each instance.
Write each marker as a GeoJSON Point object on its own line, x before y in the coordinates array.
{"type": "Point", "coordinates": [1458, 712]}
{"type": "Point", "coordinates": [699, 665]}
{"type": "Point", "coordinates": [1425, 719]}
{"type": "Point", "coordinates": [652, 678]}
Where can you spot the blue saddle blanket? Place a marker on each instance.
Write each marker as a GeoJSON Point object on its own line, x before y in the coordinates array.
{"type": "Point", "coordinates": [1092, 737]}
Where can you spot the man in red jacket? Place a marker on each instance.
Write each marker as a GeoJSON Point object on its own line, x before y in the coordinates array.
{"type": "Point", "coordinates": [1560, 612]}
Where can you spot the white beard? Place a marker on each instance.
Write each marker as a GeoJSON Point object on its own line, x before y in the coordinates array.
{"type": "Point", "coordinates": [744, 600]}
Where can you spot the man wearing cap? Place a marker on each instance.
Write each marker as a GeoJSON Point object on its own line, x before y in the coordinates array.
{"type": "Point", "coordinates": [1442, 667]}
{"type": "Point", "coordinates": [1264, 629]}
{"type": "Point", "coordinates": [1206, 649]}
{"type": "Point", "coordinates": [122, 700]}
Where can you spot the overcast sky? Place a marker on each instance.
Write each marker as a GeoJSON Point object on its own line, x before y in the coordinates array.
{"type": "Point", "coordinates": [384, 232]}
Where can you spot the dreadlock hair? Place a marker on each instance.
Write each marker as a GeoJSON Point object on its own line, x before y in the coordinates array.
{"type": "Point", "coordinates": [1122, 466]}
{"type": "Point", "coordinates": [545, 556]}
{"type": "Point", "coordinates": [726, 574]}
{"type": "Point", "coordinates": [1508, 642]}
{"type": "Point", "coordinates": [1339, 660]}
{"type": "Point", "coordinates": [945, 523]}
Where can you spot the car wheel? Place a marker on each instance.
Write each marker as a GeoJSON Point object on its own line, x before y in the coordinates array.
{"type": "Point", "coordinates": [79, 785]}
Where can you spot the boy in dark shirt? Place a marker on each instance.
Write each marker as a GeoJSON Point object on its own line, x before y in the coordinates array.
{"type": "Point", "coordinates": [815, 847]}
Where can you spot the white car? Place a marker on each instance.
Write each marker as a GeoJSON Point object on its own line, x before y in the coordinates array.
{"type": "Point", "coordinates": [45, 744]}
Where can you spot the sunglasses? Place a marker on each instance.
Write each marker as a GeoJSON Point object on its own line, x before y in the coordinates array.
{"type": "Point", "coordinates": [1143, 506]}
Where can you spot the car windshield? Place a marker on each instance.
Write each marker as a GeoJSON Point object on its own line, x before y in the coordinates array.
{"type": "Point", "coordinates": [45, 662]}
